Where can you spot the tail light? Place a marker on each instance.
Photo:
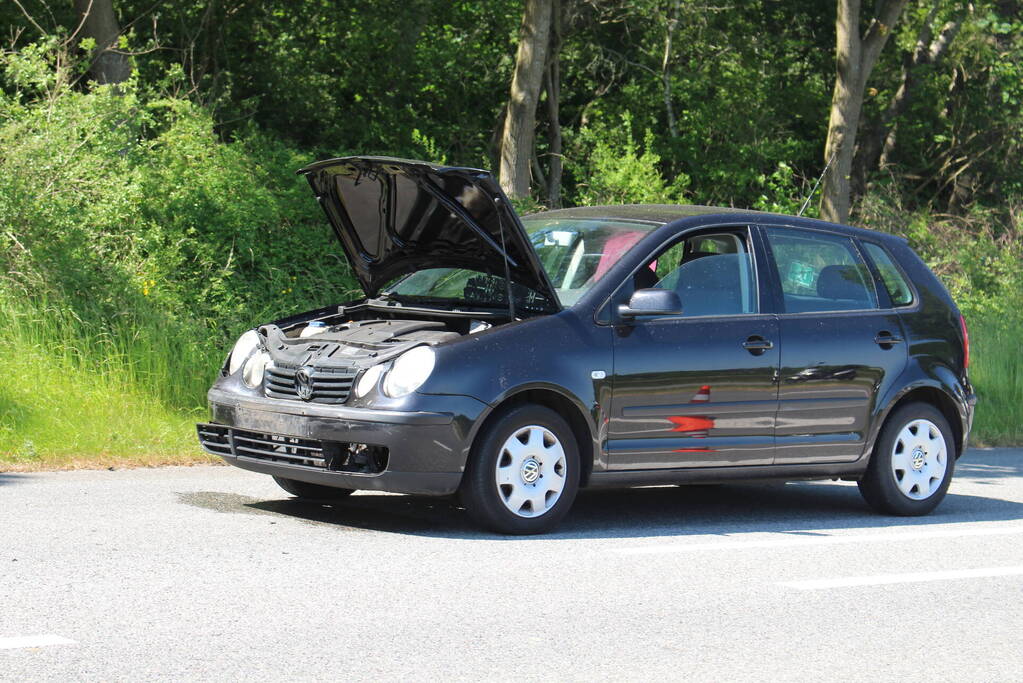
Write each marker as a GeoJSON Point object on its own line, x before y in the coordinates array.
{"type": "Point", "coordinates": [966, 342]}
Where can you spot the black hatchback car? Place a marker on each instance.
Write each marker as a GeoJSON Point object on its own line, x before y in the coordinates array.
{"type": "Point", "coordinates": [514, 360]}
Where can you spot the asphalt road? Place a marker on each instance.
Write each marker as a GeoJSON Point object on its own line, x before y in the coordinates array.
{"type": "Point", "coordinates": [213, 573]}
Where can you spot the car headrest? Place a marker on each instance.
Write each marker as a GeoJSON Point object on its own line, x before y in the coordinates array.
{"type": "Point", "coordinates": [841, 282]}
{"type": "Point", "coordinates": [693, 255]}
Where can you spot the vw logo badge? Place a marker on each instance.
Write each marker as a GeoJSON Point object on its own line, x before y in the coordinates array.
{"type": "Point", "coordinates": [304, 383]}
{"type": "Point", "coordinates": [530, 471]}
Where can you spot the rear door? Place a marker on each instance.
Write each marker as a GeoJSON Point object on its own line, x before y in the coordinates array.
{"type": "Point", "coordinates": [841, 345]}
{"type": "Point", "coordinates": [697, 389]}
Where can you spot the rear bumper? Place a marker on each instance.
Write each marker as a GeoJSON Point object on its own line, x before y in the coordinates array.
{"type": "Point", "coordinates": [971, 406]}
{"type": "Point", "coordinates": [426, 451]}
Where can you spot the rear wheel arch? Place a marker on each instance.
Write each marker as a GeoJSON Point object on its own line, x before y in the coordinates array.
{"type": "Point", "coordinates": [559, 403]}
{"type": "Point", "coordinates": [936, 397]}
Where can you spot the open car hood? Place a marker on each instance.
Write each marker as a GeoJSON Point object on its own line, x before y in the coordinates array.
{"type": "Point", "coordinates": [396, 216]}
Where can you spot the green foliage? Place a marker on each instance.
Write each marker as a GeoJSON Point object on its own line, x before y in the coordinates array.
{"type": "Point", "coordinates": [782, 194]}
{"type": "Point", "coordinates": [136, 244]}
{"type": "Point", "coordinates": [618, 171]}
{"type": "Point", "coordinates": [983, 272]}
{"type": "Point", "coordinates": [980, 267]}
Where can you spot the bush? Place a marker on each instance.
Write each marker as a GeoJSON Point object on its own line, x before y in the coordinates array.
{"type": "Point", "coordinates": [978, 256]}
{"type": "Point", "coordinates": [612, 169]}
{"type": "Point", "coordinates": [136, 243]}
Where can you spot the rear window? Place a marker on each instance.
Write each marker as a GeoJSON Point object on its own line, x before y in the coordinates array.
{"type": "Point", "coordinates": [894, 282]}
{"type": "Point", "coordinates": [820, 272]}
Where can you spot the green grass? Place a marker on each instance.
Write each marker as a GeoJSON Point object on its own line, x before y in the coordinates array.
{"type": "Point", "coordinates": [75, 396]}
{"type": "Point", "coordinates": [996, 370]}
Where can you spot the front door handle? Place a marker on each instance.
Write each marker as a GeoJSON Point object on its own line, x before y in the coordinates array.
{"type": "Point", "coordinates": [886, 339]}
{"type": "Point", "coordinates": [757, 345]}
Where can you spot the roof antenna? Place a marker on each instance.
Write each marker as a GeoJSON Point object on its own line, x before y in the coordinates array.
{"type": "Point", "coordinates": [507, 267]}
{"type": "Point", "coordinates": [814, 190]}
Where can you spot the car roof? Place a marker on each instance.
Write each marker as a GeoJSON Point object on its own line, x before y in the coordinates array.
{"type": "Point", "coordinates": [662, 214]}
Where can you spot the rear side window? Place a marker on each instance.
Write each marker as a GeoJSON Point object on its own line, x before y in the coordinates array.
{"type": "Point", "coordinates": [820, 272]}
{"type": "Point", "coordinates": [894, 282]}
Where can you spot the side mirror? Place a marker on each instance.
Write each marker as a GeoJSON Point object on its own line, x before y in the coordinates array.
{"type": "Point", "coordinates": [651, 302]}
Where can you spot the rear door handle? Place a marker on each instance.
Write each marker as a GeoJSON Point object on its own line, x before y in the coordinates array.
{"type": "Point", "coordinates": [757, 345]}
{"type": "Point", "coordinates": [886, 339]}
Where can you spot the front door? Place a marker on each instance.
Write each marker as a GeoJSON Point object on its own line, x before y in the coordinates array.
{"type": "Point", "coordinates": [698, 390]}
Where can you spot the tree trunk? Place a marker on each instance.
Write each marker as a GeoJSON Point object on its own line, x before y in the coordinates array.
{"type": "Point", "coordinates": [856, 58]}
{"type": "Point", "coordinates": [877, 145]}
{"type": "Point", "coordinates": [924, 54]}
{"type": "Point", "coordinates": [520, 123]}
{"type": "Point", "coordinates": [553, 86]}
{"type": "Point", "coordinates": [669, 38]}
{"type": "Point", "coordinates": [100, 23]}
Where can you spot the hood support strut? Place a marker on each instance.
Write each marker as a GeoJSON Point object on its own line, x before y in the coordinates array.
{"type": "Point", "coordinates": [457, 209]}
{"type": "Point", "coordinates": [464, 216]}
{"type": "Point", "coordinates": [507, 268]}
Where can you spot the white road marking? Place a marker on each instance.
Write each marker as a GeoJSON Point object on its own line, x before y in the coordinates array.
{"type": "Point", "coordinates": [914, 577]}
{"type": "Point", "coordinates": [33, 641]}
{"type": "Point", "coordinates": [795, 541]}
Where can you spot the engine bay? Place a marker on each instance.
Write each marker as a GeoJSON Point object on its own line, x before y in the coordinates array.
{"type": "Point", "coordinates": [366, 334]}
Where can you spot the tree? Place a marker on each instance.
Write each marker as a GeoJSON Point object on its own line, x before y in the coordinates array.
{"type": "Point", "coordinates": [856, 57]}
{"type": "Point", "coordinates": [517, 142]}
{"type": "Point", "coordinates": [878, 142]}
{"type": "Point", "coordinates": [99, 22]}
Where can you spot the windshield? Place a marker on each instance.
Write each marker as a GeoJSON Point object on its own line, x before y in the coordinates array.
{"type": "Point", "coordinates": [575, 253]}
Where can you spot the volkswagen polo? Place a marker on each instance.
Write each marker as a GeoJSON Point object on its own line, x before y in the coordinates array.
{"type": "Point", "coordinates": [513, 360]}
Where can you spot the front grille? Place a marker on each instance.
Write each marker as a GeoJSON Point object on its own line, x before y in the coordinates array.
{"type": "Point", "coordinates": [221, 440]}
{"type": "Point", "coordinates": [292, 450]}
{"type": "Point", "coordinates": [329, 385]}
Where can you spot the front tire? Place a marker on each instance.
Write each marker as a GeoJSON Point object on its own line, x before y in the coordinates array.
{"type": "Point", "coordinates": [523, 474]}
{"type": "Point", "coordinates": [912, 464]}
{"type": "Point", "coordinates": [307, 491]}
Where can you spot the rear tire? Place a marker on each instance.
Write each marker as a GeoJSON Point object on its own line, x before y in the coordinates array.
{"type": "Point", "coordinates": [911, 467]}
{"type": "Point", "coordinates": [307, 491]}
{"type": "Point", "coordinates": [523, 474]}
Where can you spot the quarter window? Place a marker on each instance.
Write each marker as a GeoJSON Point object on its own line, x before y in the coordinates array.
{"type": "Point", "coordinates": [894, 282]}
{"type": "Point", "coordinates": [820, 272]}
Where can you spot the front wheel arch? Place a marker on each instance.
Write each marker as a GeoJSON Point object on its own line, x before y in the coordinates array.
{"type": "Point", "coordinates": [560, 404]}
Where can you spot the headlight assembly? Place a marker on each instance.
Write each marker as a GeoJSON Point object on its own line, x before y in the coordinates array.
{"type": "Point", "coordinates": [255, 366]}
{"type": "Point", "coordinates": [409, 371]}
{"type": "Point", "coordinates": [243, 348]}
{"type": "Point", "coordinates": [368, 380]}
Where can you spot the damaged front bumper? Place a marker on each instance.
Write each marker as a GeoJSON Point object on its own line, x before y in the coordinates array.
{"type": "Point", "coordinates": [420, 452]}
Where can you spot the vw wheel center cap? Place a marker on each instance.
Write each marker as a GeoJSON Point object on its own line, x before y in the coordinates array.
{"type": "Point", "coordinates": [530, 471]}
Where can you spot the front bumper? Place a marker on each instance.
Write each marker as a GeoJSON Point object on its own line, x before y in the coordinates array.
{"type": "Point", "coordinates": [426, 450]}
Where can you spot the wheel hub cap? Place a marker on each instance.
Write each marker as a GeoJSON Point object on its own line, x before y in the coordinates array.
{"type": "Point", "coordinates": [530, 471]}
{"type": "Point", "coordinates": [919, 459]}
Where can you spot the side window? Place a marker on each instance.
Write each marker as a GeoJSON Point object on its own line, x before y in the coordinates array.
{"type": "Point", "coordinates": [820, 272]}
{"type": "Point", "coordinates": [712, 274]}
{"type": "Point", "coordinates": [892, 277]}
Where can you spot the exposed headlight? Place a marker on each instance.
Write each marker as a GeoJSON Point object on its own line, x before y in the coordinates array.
{"type": "Point", "coordinates": [243, 348]}
{"type": "Point", "coordinates": [368, 380]}
{"type": "Point", "coordinates": [409, 371]}
{"type": "Point", "coordinates": [255, 366]}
